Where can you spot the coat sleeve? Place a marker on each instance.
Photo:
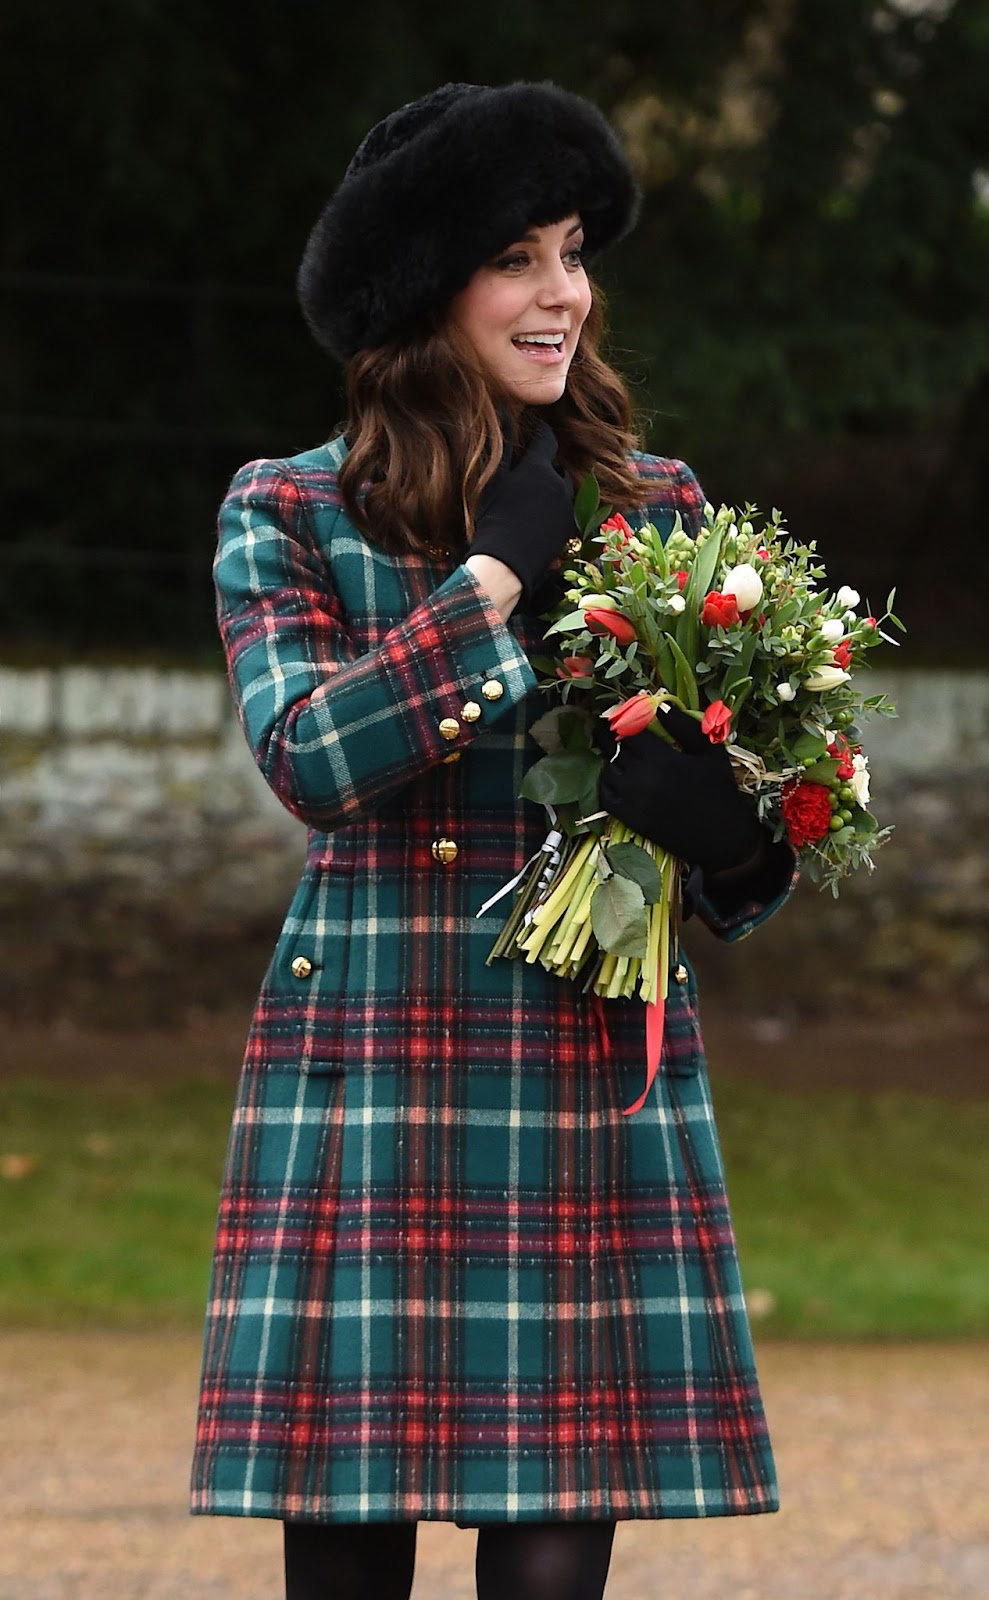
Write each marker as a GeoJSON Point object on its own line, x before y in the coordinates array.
{"type": "Point", "coordinates": [732, 911]}
{"type": "Point", "coordinates": [335, 732]}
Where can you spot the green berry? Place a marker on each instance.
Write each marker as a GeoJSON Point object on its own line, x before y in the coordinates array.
{"type": "Point", "coordinates": [833, 802]}
{"type": "Point", "coordinates": [845, 814]}
{"type": "Point", "coordinates": [846, 794]}
{"type": "Point", "coordinates": [836, 822]}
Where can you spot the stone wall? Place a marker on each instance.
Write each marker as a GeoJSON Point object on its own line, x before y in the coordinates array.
{"type": "Point", "coordinates": [145, 867]}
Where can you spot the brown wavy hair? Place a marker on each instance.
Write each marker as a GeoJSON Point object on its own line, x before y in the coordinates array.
{"type": "Point", "coordinates": [425, 437]}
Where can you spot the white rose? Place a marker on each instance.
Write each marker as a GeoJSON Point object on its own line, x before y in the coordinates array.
{"type": "Point", "coordinates": [676, 603]}
{"type": "Point", "coordinates": [847, 597]}
{"type": "Point", "coordinates": [859, 780]}
{"type": "Point", "coordinates": [785, 691]}
{"type": "Point", "coordinates": [825, 678]}
{"type": "Point", "coordinates": [833, 630]}
{"type": "Point", "coordinates": [745, 584]}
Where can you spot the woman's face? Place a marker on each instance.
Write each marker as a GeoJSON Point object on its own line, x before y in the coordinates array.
{"type": "Point", "coordinates": [523, 312]}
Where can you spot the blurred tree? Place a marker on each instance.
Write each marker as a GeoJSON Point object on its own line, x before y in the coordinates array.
{"type": "Point", "coordinates": [810, 274]}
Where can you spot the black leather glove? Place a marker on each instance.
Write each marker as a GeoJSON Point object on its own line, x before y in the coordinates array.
{"type": "Point", "coordinates": [526, 515]}
{"type": "Point", "coordinates": [685, 800]}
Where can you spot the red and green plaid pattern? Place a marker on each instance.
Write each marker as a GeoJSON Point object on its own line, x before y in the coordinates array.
{"type": "Point", "coordinates": [451, 1279]}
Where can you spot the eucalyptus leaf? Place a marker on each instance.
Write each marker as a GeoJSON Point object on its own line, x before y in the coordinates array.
{"type": "Point", "coordinates": [618, 917]}
{"type": "Point", "coordinates": [570, 623]}
{"type": "Point", "coordinates": [575, 730]}
{"type": "Point", "coordinates": [631, 861]}
{"type": "Point", "coordinates": [808, 748]}
{"type": "Point", "coordinates": [821, 772]}
{"type": "Point", "coordinates": [561, 777]}
{"type": "Point", "coordinates": [546, 729]}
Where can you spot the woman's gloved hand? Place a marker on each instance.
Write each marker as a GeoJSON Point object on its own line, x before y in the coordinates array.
{"type": "Point", "coordinates": [685, 800]}
{"type": "Point", "coordinates": [527, 515]}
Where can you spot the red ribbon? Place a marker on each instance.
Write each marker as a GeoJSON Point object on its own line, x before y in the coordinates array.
{"type": "Point", "coordinates": [655, 1019]}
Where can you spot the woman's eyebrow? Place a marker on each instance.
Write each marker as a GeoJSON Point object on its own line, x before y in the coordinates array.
{"type": "Point", "coordinates": [533, 238]}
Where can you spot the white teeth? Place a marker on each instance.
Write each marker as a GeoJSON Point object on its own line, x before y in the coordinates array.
{"type": "Point", "coordinates": [554, 339]}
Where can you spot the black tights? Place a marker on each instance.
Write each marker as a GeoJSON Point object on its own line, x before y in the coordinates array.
{"type": "Point", "coordinates": [515, 1561]}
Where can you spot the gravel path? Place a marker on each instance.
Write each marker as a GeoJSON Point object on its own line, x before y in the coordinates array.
{"type": "Point", "coordinates": [882, 1453]}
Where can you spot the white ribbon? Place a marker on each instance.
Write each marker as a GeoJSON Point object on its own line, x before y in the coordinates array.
{"type": "Point", "coordinates": [550, 847]}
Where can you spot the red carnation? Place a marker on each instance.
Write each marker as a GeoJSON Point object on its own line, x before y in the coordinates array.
{"type": "Point", "coordinates": [632, 715]}
{"type": "Point", "coordinates": [806, 811]}
{"type": "Point", "coordinates": [575, 667]}
{"type": "Point", "coordinates": [720, 610]}
{"type": "Point", "coordinates": [716, 722]}
{"type": "Point", "coordinates": [601, 619]}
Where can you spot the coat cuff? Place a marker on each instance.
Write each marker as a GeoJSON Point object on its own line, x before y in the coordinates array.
{"type": "Point", "coordinates": [733, 911]}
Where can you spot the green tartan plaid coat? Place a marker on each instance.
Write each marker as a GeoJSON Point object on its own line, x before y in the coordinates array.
{"type": "Point", "coordinates": [451, 1279]}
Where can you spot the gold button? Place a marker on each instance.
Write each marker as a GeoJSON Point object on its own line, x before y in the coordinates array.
{"type": "Point", "coordinates": [301, 967]}
{"type": "Point", "coordinates": [471, 711]}
{"type": "Point", "coordinates": [492, 690]}
{"type": "Point", "coordinates": [573, 547]}
{"type": "Point", "coordinates": [449, 727]}
{"type": "Point", "coordinates": [681, 973]}
{"type": "Point", "coordinates": [444, 850]}
{"type": "Point", "coordinates": [453, 756]}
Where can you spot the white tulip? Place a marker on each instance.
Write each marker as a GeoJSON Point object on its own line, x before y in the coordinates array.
{"type": "Point", "coordinates": [676, 603]}
{"type": "Point", "coordinates": [859, 780]}
{"type": "Point", "coordinates": [825, 678]}
{"type": "Point", "coordinates": [785, 691]}
{"type": "Point", "coordinates": [597, 602]}
{"type": "Point", "coordinates": [847, 597]}
{"type": "Point", "coordinates": [745, 584]}
{"type": "Point", "coordinates": [833, 630]}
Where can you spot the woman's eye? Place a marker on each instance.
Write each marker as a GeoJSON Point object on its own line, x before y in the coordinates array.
{"type": "Point", "coordinates": [520, 259]}
{"type": "Point", "coordinates": [576, 255]}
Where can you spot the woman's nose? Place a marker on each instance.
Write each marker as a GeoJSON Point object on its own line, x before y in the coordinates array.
{"type": "Point", "coordinates": [559, 287]}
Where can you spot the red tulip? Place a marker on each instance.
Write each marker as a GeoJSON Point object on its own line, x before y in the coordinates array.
{"type": "Point", "coordinates": [841, 655]}
{"type": "Point", "coordinates": [617, 524]}
{"type": "Point", "coordinates": [719, 610]}
{"type": "Point", "coordinates": [575, 667]}
{"type": "Point", "coordinates": [601, 619]}
{"type": "Point", "coordinates": [632, 715]}
{"type": "Point", "coordinates": [716, 722]}
{"type": "Point", "coordinates": [681, 578]}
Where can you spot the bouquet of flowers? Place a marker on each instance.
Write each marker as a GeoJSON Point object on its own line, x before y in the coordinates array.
{"type": "Point", "coordinates": [738, 628]}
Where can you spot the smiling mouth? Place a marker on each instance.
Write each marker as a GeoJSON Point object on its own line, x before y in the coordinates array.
{"type": "Point", "coordinates": [546, 349]}
{"type": "Point", "coordinates": [539, 341]}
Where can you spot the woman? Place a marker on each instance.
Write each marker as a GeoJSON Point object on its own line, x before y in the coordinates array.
{"type": "Point", "coordinates": [451, 1280]}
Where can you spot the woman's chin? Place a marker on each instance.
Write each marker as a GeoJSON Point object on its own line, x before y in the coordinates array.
{"type": "Point", "coordinates": [539, 391]}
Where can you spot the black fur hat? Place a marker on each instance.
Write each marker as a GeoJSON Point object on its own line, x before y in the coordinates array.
{"type": "Point", "coordinates": [439, 187]}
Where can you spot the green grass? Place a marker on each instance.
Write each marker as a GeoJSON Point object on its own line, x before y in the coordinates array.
{"type": "Point", "coordinates": [861, 1215]}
